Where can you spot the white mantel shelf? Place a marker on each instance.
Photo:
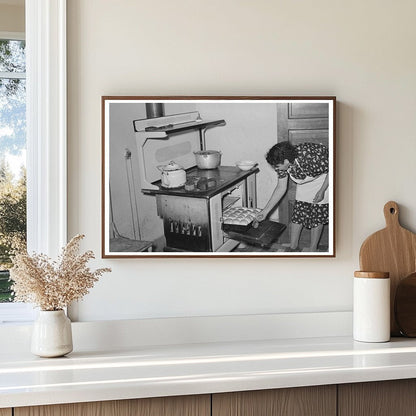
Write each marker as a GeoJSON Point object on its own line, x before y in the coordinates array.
{"type": "Point", "coordinates": [212, 367]}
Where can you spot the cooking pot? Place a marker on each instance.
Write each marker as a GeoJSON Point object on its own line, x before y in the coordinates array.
{"type": "Point", "coordinates": [173, 175]}
{"type": "Point", "coordinates": [207, 159]}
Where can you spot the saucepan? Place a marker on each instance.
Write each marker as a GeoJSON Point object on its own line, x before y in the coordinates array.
{"type": "Point", "coordinates": [207, 159]}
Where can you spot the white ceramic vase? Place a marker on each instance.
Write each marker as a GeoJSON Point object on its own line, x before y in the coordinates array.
{"type": "Point", "coordinates": [52, 334]}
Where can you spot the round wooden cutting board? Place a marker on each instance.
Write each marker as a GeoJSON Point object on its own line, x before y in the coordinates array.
{"type": "Point", "coordinates": [392, 250]}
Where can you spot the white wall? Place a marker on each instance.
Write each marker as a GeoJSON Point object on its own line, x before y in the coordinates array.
{"type": "Point", "coordinates": [361, 51]}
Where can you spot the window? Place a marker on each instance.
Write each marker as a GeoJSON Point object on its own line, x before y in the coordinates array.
{"type": "Point", "coordinates": [46, 134]}
{"type": "Point", "coordinates": [12, 154]}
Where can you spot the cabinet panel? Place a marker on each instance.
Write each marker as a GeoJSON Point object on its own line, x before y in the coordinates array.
{"type": "Point", "coordinates": [300, 401]}
{"type": "Point", "coordinates": [160, 406]}
{"type": "Point", "coordinates": [308, 110]}
{"type": "Point", "coordinates": [381, 398]}
{"type": "Point", "coordinates": [5, 412]}
{"type": "Point", "coordinates": [310, 136]}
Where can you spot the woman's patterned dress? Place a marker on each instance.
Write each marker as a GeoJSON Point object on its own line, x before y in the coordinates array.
{"type": "Point", "coordinates": [312, 161]}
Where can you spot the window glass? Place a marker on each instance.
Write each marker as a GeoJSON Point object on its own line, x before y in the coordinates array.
{"type": "Point", "coordinates": [12, 56]}
{"type": "Point", "coordinates": [12, 156]}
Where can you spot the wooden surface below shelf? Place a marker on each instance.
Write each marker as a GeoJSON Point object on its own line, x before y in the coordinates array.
{"type": "Point", "coordinates": [161, 406]}
{"type": "Point", "coordinates": [317, 401]}
{"type": "Point", "coordinates": [383, 398]}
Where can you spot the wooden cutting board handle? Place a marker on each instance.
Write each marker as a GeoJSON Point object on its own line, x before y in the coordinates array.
{"type": "Point", "coordinates": [391, 214]}
{"type": "Point", "coordinates": [393, 250]}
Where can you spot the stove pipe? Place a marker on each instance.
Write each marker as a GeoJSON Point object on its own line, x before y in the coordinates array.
{"type": "Point", "coordinates": [154, 110]}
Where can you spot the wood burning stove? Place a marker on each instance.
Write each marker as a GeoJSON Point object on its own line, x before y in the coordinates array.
{"type": "Point", "coordinates": [192, 216]}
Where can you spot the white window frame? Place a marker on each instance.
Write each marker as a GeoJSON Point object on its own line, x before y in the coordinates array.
{"type": "Point", "coordinates": [46, 133]}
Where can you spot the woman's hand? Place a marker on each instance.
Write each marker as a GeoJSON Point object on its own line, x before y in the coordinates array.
{"type": "Point", "coordinates": [319, 196]}
{"type": "Point", "coordinates": [277, 195]}
{"type": "Point", "coordinates": [261, 216]}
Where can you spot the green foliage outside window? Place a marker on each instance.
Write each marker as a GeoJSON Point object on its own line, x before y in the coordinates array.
{"type": "Point", "coordinates": [12, 224]}
{"type": "Point", "coordinates": [12, 147]}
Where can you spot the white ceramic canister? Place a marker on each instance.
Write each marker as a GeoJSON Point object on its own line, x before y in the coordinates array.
{"type": "Point", "coordinates": [371, 309]}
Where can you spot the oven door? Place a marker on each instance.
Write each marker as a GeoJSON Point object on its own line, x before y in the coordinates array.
{"type": "Point", "coordinates": [186, 223]}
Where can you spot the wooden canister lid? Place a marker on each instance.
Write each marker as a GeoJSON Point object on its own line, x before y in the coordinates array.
{"type": "Point", "coordinates": [372, 275]}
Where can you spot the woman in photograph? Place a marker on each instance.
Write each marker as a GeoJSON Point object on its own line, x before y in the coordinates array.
{"type": "Point", "coordinates": [307, 165]}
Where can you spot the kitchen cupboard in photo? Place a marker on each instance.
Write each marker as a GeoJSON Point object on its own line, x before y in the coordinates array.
{"type": "Point", "coordinates": [6, 412]}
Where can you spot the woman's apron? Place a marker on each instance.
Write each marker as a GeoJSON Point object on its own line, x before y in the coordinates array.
{"type": "Point", "coordinates": [307, 188]}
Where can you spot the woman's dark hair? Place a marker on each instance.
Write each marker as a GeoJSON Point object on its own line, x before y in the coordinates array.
{"type": "Point", "coordinates": [281, 151]}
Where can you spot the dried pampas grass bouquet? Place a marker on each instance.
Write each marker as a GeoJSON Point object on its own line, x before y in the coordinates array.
{"type": "Point", "coordinates": [53, 285]}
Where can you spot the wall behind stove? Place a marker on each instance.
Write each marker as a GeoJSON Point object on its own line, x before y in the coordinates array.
{"type": "Point", "coordinates": [134, 214]}
{"type": "Point", "coordinates": [362, 52]}
{"type": "Point", "coordinates": [245, 138]}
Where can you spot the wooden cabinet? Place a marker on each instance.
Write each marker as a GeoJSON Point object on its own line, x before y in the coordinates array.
{"type": "Point", "coordinates": [385, 398]}
{"type": "Point", "coordinates": [300, 401]}
{"type": "Point", "coordinates": [381, 398]}
{"type": "Point", "coordinates": [161, 406]}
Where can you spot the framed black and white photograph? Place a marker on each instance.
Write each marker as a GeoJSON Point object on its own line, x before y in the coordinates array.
{"type": "Point", "coordinates": [218, 176]}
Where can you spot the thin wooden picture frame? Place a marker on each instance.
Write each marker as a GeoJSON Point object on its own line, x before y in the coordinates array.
{"type": "Point", "coordinates": [171, 186]}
